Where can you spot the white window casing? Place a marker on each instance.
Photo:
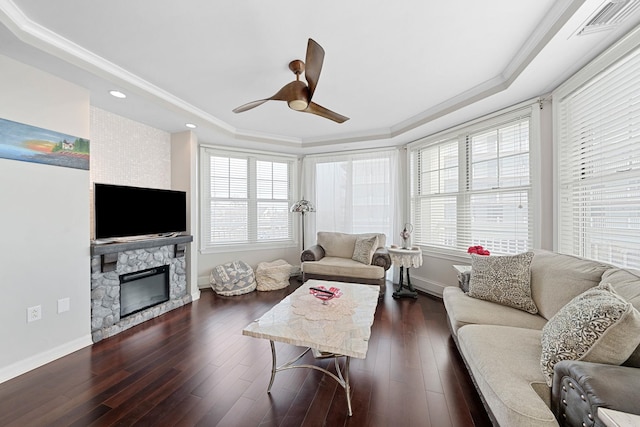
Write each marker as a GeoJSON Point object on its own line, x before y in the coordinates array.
{"type": "Point", "coordinates": [477, 184]}
{"type": "Point", "coordinates": [246, 196]}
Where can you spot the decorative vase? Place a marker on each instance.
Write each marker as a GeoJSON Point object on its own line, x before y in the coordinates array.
{"type": "Point", "coordinates": [406, 235]}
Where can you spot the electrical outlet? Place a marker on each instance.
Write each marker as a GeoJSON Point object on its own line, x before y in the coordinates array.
{"type": "Point", "coordinates": [64, 304]}
{"type": "Point", "coordinates": [34, 313]}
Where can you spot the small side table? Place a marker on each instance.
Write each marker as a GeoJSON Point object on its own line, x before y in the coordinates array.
{"type": "Point", "coordinates": [611, 418]}
{"type": "Point", "coordinates": [405, 258]}
{"type": "Point", "coordinates": [464, 274]}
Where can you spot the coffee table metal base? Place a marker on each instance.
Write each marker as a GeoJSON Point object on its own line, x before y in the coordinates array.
{"type": "Point", "coordinates": [342, 380]}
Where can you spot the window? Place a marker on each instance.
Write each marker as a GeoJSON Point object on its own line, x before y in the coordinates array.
{"type": "Point", "coordinates": [473, 186]}
{"type": "Point", "coordinates": [246, 199]}
{"type": "Point", "coordinates": [353, 192]}
{"type": "Point", "coordinates": [598, 170]}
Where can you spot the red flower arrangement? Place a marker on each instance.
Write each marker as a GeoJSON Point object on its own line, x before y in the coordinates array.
{"type": "Point", "coordinates": [479, 250]}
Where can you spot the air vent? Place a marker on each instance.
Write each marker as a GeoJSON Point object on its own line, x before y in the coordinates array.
{"type": "Point", "coordinates": [611, 14]}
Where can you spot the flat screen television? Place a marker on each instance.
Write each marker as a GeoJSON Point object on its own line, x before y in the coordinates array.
{"type": "Point", "coordinates": [122, 211]}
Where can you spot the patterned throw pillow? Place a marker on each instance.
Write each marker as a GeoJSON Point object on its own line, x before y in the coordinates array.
{"type": "Point", "coordinates": [503, 279]}
{"type": "Point", "coordinates": [596, 326]}
{"type": "Point", "coordinates": [365, 247]}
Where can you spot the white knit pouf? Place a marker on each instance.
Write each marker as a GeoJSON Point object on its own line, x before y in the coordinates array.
{"type": "Point", "coordinates": [273, 275]}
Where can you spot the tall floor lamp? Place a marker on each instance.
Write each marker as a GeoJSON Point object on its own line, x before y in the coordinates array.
{"type": "Point", "coordinates": [302, 206]}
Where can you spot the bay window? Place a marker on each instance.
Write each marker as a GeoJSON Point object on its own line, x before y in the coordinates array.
{"type": "Point", "coordinates": [598, 169]}
{"type": "Point", "coordinates": [473, 186]}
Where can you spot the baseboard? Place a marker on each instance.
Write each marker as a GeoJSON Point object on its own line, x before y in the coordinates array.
{"type": "Point", "coordinates": [427, 286]}
{"type": "Point", "coordinates": [43, 358]}
{"type": "Point", "coordinates": [418, 282]}
{"type": "Point", "coordinates": [203, 282]}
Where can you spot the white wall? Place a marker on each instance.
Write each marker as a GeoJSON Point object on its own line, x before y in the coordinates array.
{"type": "Point", "coordinates": [44, 215]}
{"type": "Point", "coordinates": [184, 177]}
{"type": "Point", "coordinates": [125, 152]}
{"type": "Point", "coordinates": [206, 262]}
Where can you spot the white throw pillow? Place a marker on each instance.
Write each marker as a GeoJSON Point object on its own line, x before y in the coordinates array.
{"type": "Point", "coordinates": [365, 247]}
{"type": "Point", "coordinates": [596, 326]}
{"type": "Point", "coordinates": [505, 280]}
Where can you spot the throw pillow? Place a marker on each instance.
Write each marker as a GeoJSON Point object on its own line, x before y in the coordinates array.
{"type": "Point", "coordinates": [365, 247]}
{"type": "Point", "coordinates": [596, 326]}
{"type": "Point", "coordinates": [503, 279]}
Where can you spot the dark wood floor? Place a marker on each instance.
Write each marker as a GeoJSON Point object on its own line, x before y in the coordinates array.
{"type": "Point", "coordinates": [193, 366]}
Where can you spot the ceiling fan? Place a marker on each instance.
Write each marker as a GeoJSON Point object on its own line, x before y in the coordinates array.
{"type": "Point", "coordinates": [298, 94]}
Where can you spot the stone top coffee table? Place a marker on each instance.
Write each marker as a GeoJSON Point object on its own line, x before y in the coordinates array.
{"type": "Point", "coordinates": [339, 328]}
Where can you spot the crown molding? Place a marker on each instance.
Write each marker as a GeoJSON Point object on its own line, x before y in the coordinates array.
{"type": "Point", "coordinates": [48, 41]}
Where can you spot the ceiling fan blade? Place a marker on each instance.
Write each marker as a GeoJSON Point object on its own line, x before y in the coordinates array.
{"type": "Point", "coordinates": [319, 110]}
{"type": "Point", "coordinates": [313, 65]}
{"type": "Point", "coordinates": [287, 93]}
{"type": "Point", "coordinates": [249, 105]}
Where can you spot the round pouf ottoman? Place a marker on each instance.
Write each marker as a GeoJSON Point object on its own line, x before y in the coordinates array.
{"type": "Point", "coordinates": [273, 275]}
{"type": "Point", "coordinates": [233, 278]}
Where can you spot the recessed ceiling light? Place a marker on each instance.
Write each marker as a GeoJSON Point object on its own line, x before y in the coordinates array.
{"type": "Point", "coordinates": [117, 94]}
{"type": "Point", "coordinates": [190, 125]}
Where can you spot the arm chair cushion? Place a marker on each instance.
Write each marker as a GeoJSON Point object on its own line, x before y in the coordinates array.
{"type": "Point", "coordinates": [381, 258]}
{"type": "Point", "coordinates": [313, 253]}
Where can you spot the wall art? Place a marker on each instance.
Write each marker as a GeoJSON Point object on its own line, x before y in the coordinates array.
{"type": "Point", "coordinates": [28, 143]}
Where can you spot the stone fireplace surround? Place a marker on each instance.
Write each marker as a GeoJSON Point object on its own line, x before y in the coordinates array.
{"type": "Point", "coordinates": [109, 261]}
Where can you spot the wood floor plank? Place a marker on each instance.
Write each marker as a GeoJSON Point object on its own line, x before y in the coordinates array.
{"type": "Point", "coordinates": [192, 366]}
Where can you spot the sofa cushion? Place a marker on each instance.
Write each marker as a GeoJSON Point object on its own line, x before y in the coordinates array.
{"type": "Point", "coordinates": [596, 326]}
{"type": "Point", "coordinates": [557, 278]}
{"type": "Point", "coordinates": [626, 283]}
{"type": "Point", "coordinates": [503, 279]}
{"type": "Point", "coordinates": [364, 249]}
{"type": "Point", "coordinates": [337, 266]}
{"type": "Point", "coordinates": [342, 245]}
{"type": "Point", "coordinates": [505, 363]}
{"type": "Point", "coordinates": [464, 310]}
{"type": "Point", "coordinates": [339, 245]}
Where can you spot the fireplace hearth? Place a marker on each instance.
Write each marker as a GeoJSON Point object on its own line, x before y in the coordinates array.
{"type": "Point", "coordinates": [115, 306]}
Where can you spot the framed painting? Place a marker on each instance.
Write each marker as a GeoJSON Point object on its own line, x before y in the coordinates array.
{"type": "Point", "coordinates": [28, 143]}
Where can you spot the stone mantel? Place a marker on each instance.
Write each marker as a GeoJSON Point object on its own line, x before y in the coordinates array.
{"type": "Point", "coordinates": [110, 261]}
{"type": "Point", "coordinates": [152, 242]}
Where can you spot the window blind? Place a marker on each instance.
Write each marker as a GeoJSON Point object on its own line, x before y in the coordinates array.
{"type": "Point", "coordinates": [246, 199]}
{"type": "Point", "coordinates": [599, 166]}
{"type": "Point", "coordinates": [435, 204]}
{"type": "Point", "coordinates": [473, 187]}
{"type": "Point", "coordinates": [498, 189]}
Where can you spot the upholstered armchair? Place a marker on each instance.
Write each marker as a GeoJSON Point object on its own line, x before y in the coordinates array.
{"type": "Point", "coordinates": [342, 257]}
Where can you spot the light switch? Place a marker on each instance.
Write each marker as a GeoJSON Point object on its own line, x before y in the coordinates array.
{"type": "Point", "coordinates": [64, 304]}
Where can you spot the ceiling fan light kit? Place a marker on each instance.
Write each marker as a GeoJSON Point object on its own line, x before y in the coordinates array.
{"type": "Point", "coordinates": [298, 94]}
{"type": "Point", "coordinates": [298, 105]}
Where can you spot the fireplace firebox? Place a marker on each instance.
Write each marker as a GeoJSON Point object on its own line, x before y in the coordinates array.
{"type": "Point", "coordinates": [143, 289]}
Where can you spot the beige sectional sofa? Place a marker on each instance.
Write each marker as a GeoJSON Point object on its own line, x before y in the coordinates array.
{"type": "Point", "coordinates": [501, 345]}
{"type": "Point", "coordinates": [332, 258]}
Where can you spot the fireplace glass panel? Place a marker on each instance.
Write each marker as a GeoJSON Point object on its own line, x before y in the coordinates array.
{"type": "Point", "coordinates": [143, 289]}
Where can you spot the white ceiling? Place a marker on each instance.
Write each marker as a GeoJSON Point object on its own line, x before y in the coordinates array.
{"type": "Point", "coordinates": [399, 70]}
